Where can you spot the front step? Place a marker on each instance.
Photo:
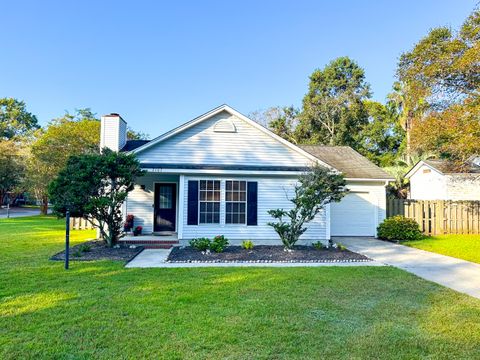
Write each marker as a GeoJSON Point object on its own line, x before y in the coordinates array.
{"type": "Point", "coordinates": [152, 244]}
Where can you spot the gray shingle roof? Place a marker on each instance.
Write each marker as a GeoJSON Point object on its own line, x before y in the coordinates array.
{"type": "Point", "coordinates": [348, 161]}
{"type": "Point", "coordinates": [133, 144]}
{"type": "Point", "coordinates": [443, 166]}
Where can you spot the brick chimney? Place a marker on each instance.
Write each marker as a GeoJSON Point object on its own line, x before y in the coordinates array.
{"type": "Point", "coordinates": [113, 132]}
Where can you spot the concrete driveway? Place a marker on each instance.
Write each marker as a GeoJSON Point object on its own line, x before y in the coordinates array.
{"type": "Point", "coordinates": [459, 275]}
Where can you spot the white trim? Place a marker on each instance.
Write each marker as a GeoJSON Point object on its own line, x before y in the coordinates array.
{"type": "Point", "coordinates": [417, 167]}
{"type": "Point", "coordinates": [327, 219]}
{"type": "Point", "coordinates": [222, 172]}
{"type": "Point", "coordinates": [234, 112]}
{"type": "Point", "coordinates": [370, 180]}
{"type": "Point", "coordinates": [247, 172]}
{"type": "Point", "coordinates": [181, 199]}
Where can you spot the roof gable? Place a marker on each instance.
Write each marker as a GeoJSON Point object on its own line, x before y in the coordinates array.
{"type": "Point", "coordinates": [223, 136]}
{"type": "Point", "coordinates": [419, 165]}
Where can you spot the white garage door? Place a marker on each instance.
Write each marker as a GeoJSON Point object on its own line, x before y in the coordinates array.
{"type": "Point", "coordinates": [353, 216]}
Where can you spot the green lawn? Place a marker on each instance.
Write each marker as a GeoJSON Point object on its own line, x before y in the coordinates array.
{"type": "Point", "coordinates": [102, 310]}
{"type": "Point", "coordinates": [466, 247]}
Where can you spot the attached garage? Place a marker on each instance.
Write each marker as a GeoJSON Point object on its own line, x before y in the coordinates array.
{"type": "Point", "coordinates": [360, 212]}
{"type": "Point", "coordinates": [355, 215]}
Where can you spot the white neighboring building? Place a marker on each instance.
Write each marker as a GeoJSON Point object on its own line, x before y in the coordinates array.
{"type": "Point", "coordinates": [429, 180]}
{"type": "Point", "coordinates": [221, 172]}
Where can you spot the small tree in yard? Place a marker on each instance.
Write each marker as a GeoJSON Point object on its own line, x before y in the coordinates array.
{"type": "Point", "coordinates": [94, 187]}
{"type": "Point", "coordinates": [314, 190]}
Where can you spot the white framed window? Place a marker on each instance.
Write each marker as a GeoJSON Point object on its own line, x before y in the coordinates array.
{"type": "Point", "coordinates": [209, 202]}
{"type": "Point", "coordinates": [235, 202]}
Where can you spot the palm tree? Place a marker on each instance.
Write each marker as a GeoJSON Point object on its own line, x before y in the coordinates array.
{"type": "Point", "coordinates": [408, 107]}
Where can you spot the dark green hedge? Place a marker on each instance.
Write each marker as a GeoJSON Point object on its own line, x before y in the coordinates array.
{"type": "Point", "coordinates": [399, 228]}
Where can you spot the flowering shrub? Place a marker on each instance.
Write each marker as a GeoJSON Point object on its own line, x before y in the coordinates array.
{"type": "Point", "coordinates": [128, 223]}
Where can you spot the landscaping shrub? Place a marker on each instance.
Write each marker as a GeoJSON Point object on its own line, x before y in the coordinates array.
{"type": "Point", "coordinates": [84, 248]}
{"type": "Point", "coordinates": [200, 244]}
{"type": "Point", "coordinates": [399, 228]}
{"type": "Point", "coordinates": [318, 245]}
{"type": "Point", "coordinates": [219, 243]}
{"type": "Point", "coordinates": [341, 247]}
{"type": "Point", "coordinates": [247, 244]}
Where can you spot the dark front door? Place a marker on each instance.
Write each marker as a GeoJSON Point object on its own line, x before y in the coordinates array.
{"type": "Point", "coordinates": [165, 207]}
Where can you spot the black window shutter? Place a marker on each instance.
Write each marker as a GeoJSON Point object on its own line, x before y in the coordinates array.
{"type": "Point", "coordinates": [252, 196]}
{"type": "Point", "coordinates": [192, 211]}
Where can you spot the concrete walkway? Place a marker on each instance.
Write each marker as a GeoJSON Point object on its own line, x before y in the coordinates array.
{"type": "Point", "coordinates": [459, 275]}
{"type": "Point", "coordinates": [156, 258]}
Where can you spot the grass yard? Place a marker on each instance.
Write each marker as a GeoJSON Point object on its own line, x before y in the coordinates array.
{"type": "Point", "coordinates": [466, 247]}
{"type": "Point", "coordinates": [102, 310]}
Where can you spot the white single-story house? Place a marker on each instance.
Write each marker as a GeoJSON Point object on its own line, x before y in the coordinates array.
{"type": "Point", "coordinates": [220, 173]}
{"type": "Point", "coordinates": [431, 180]}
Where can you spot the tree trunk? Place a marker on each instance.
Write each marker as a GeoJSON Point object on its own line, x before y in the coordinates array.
{"type": "Point", "coordinates": [408, 133]}
{"type": "Point", "coordinates": [44, 205]}
{"type": "Point", "coordinates": [407, 138]}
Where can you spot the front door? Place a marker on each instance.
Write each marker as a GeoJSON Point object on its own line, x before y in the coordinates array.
{"type": "Point", "coordinates": [165, 206]}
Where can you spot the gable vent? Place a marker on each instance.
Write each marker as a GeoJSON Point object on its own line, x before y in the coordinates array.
{"type": "Point", "coordinates": [224, 126]}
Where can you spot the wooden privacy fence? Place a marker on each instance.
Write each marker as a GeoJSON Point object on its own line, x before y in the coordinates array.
{"type": "Point", "coordinates": [437, 217]}
{"type": "Point", "coordinates": [80, 224]}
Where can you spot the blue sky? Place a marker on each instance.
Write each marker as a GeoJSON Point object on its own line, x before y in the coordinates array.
{"type": "Point", "coordinates": [160, 64]}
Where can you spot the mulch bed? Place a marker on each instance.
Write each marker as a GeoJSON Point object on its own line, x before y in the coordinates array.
{"type": "Point", "coordinates": [98, 251]}
{"type": "Point", "coordinates": [266, 253]}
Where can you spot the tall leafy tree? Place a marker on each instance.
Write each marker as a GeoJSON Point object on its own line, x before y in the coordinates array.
{"type": "Point", "coordinates": [12, 167]}
{"type": "Point", "coordinates": [285, 123]}
{"type": "Point", "coordinates": [15, 121]}
{"type": "Point", "coordinates": [382, 136]}
{"type": "Point", "coordinates": [444, 67]}
{"type": "Point", "coordinates": [95, 186]}
{"type": "Point", "coordinates": [453, 134]}
{"type": "Point", "coordinates": [440, 81]}
{"type": "Point", "coordinates": [72, 134]}
{"type": "Point", "coordinates": [333, 109]}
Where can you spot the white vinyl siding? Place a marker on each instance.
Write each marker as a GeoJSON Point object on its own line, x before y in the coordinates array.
{"type": "Point", "coordinates": [201, 145]}
{"type": "Point", "coordinates": [113, 133]}
{"type": "Point", "coordinates": [272, 194]}
{"type": "Point", "coordinates": [427, 184]}
{"type": "Point", "coordinates": [140, 201]}
{"type": "Point", "coordinates": [463, 187]}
